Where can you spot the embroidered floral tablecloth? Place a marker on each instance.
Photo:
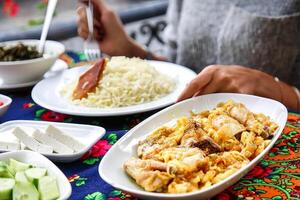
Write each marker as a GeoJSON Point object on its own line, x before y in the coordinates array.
{"type": "Point", "coordinates": [276, 177]}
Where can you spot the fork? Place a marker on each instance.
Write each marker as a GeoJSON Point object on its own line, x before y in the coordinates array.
{"type": "Point", "coordinates": [91, 47]}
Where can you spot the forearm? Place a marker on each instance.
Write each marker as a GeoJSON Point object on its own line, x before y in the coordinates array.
{"type": "Point", "coordinates": [137, 50]}
{"type": "Point", "coordinates": [272, 87]}
{"type": "Point", "coordinates": [289, 96]}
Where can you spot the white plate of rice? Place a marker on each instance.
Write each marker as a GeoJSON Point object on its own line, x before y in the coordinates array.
{"type": "Point", "coordinates": [128, 86]}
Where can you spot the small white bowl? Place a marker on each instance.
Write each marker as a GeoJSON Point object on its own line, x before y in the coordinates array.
{"type": "Point", "coordinates": [39, 160]}
{"type": "Point", "coordinates": [25, 71]}
{"type": "Point", "coordinates": [6, 103]}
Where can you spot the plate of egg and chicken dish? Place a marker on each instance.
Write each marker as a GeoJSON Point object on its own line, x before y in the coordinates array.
{"type": "Point", "coordinates": [194, 149]}
{"type": "Point", "coordinates": [113, 87]}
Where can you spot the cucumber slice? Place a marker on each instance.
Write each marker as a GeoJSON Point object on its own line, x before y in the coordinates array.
{"type": "Point", "coordinates": [21, 177]}
{"type": "Point", "coordinates": [48, 188]}
{"type": "Point", "coordinates": [34, 174]}
{"type": "Point", "coordinates": [6, 187]}
{"type": "Point", "coordinates": [25, 191]}
{"type": "Point", "coordinates": [17, 166]}
{"type": "Point", "coordinates": [5, 172]}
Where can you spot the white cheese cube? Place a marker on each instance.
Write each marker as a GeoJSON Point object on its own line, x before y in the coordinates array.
{"type": "Point", "coordinates": [31, 143]}
{"type": "Point", "coordinates": [64, 138]}
{"type": "Point", "coordinates": [8, 142]}
{"type": "Point", "coordinates": [58, 147]}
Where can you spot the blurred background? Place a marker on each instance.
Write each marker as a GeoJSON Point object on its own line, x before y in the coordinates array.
{"type": "Point", "coordinates": [22, 19]}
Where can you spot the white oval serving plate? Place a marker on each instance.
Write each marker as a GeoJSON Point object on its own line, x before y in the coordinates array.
{"type": "Point", "coordinates": [86, 134]}
{"type": "Point", "coordinates": [46, 93]}
{"type": "Point", "coordinates": [39, 160]}
{"type": "Point", "coordinates": [111, 169]}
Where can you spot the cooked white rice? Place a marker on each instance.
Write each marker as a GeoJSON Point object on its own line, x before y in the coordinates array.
{"type": "Point", "coordinates": [126, 81]}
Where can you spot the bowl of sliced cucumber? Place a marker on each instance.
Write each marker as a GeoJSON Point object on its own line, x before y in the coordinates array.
{"type": "Point", "coordinates": [30, 175]}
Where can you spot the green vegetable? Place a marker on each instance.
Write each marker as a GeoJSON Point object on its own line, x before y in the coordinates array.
{"type": "Point", "coordinates": [25, 191]}
{"type": "Point", "coordinates": [22, 181]}
{"type": "Point", "coordinates": [48, 188]}
{"type": "Point", "coordinates": [21, 177]}
{"type": "Point", "coordinates": [5, 172]}
{"type": "Point", "coordinates": [34, 174]}
{"type": "Point", "coordinates": [6, 187]}
{"type": "Point", "coordinates": [18, 52]}
{"type": "Point", "coordinates": [17, 166]}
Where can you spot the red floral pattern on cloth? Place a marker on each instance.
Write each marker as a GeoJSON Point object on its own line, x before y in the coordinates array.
{"type": "Point", "coordinates": [259, 172]}
{"type": "Point", "coordinates": [50, 116]}
{"type": "Point", "coordinates": [28, 105]}
{"type": "Point", "coordinates": [99, 149]}
{"type": "Point", "coordinates": [53, 116]}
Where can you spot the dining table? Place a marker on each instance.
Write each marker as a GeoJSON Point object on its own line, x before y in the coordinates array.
{"type": "Point", "coordinates": [276, 177]}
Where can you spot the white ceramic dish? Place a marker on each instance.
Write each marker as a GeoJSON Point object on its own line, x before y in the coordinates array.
{"type": "Point", "coordinates": [17, 86]}
{"type": "Point", "coordinates": [6, 103]}
{"type": "Point", "coordinates": [111, 169]}
{"type": "Point", "coordinates": [39, 160]}
{"type": "Point", "coordinates": [86, 134]}
{"type": "Point", "coordinates": [46, 92]}
{"type": "Point", "coordinates": [20, 72]}
{"type": "Point", "coordinates": [58, 67]}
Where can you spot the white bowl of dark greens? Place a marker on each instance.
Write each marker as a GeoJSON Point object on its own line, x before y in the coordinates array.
{"type": "Point", "coordinates": [20, 61]}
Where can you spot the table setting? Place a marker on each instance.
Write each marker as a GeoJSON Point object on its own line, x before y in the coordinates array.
{"type": "Point", "coordinates": [82, 125]}
{"type": "Point", "coordinates": [275, 176]}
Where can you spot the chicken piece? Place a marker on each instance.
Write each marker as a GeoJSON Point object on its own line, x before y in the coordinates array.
{"type": "Point", "coordinates": [253, 122]}
{"type": "Point", "coordinates": [226, 124]}
{"type": "Point", "coordinates": [207, 145]}
{"type": "Point", "coordinates": [226, 132]}
{"type": "Point", "coordinates": [149, 174]}
{"type": "Point", "coordinates": [147, 150]}
{"type": "Point", "coordinates": [165, 137]}
{"type": "Point", "coordinates": [196, 137]}
{"type": "Point", "coordinates": [89, 80]}
{"type": "Point", "coordinates": [183, 160]}
{"type": "Point", "coordinates": [192, 135]}
{"type": "Point", "coordinates": [157, 141]}
{"type": "Point", "coordinates": [146, 164]}
{"type": "Point", "coordinates": [239, 112]}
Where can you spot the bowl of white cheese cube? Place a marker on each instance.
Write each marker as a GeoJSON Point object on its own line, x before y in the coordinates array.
{"type": "Point", "coordinates": [58, 141]}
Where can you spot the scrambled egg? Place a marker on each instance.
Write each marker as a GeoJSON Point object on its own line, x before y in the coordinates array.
{"type": "Point", "coordinates": [201, 150]}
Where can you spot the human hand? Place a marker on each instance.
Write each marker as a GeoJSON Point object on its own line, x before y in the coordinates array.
{"type": "Point", "coordinates": [108, 29]}
{"type": "Point", "coordinates": [239, 79]}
